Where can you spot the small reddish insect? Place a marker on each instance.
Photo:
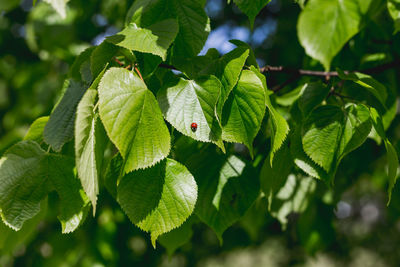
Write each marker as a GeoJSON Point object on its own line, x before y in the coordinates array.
{"type": "Point", "coordinates": [193, 126]}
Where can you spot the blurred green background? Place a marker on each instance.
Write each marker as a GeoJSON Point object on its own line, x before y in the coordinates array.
{"type": "Point", "coordinates": [347, 226]}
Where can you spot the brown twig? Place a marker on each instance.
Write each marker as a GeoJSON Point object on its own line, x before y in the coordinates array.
{"type": "Point", "coordinates": [138, 72]}
{"type": "Point", "coordinates": [119, 62]}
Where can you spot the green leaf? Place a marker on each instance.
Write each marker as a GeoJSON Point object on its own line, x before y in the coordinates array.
{"type": "Point", "coordinates": [393, 162]}
{"type": "Point", "coordinates": [35, 132]}
{"type": "Point", "coordinates": [60, 6]}
{"type": "Point", "coordinates": [184, 102]}
{"type": "Point", "coordinates": [177, 237]}
{"type": "Point", "coordinates": [113, 173]}
{"type": "Point", "coordinates": [312, 94]}
{"type": "Point", "coordinates": [73, 202]}
{"type": "Point", "coordinates": [356, 129]}
{"type": "Point", "coordinates": [158, 199]}
{"type": "Point", "coordinates": [321, 135]}
{"type": "Point", "coordinates": [27, 175]}
{"type": "Point", "coordinates": [280, 128]}
{"type": "Point", "coordinates": [273, 176]}
{"type": "Point", "coordinates": [60, 127]}
{"type": "Point", "coordinates": [244, 110]}
{"type": "Point", "coordinates": [83, 58]}
{"type": "Point", "coordinates": [394, 11]}
{"type": "Point", "coordinates": [132, 119]}
{"type": "Point", "coordinates": [377, 123]}
{"type": "Point", "coordinates": [11, 240]}
{"type": "Point", "coordinates": [146, 12]}
{"type": "Point", "coordinates": [251, 59]}
{"type": "Point", "coordinates": [101, 56]}
{"type": "Point", "coordinates": [303, 161]}
{"type": "Point", "coordinates": [154, 39]}
{"type": "Point", "coordinates": [323, 38]}
{"type": "Point", "coordinates": [194, 27]}
{"type": "Point", "coordinates": [369, 83]}
{"type": "Point", "coordinates": [90, 140]}
{"type": "Point", "coordinates": [228, 70]}
{"type": "Point", "coordinates": [227, 188]}
{"type": "Point", "coordinates": [251, 8]}
{"type": "Point", "coordinates": [193, 22]}
{"type": "Point", "coordinates": [23, 183]}
{"type": "Point", "coordinates": [392, 157]}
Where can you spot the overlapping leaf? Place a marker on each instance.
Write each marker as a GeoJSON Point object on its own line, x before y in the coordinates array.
{"type": "Point", "coordinates": [321, 135]}
{"type": "Point", "coordinates": [193, 22]}
{"type": "Point", "coordinates": [27, 175]}
{"type": "Point", "coordinates": [369, 83]}
{"type": "Point", "coordinates": [228, 69]}
{"type": "Point", "coordinates": [60, 127]}
{"type": "Point", "coordinates": [184, 102]}
{"type": "Point", "coordinates": [154, 39]}
{"type": "Point", "coordinates": [132, 119]}
{"type": "Point", "coordinates": [244, 110]}
{"type": "Point", "coordinates": [158, 199]}
{"type": "Point", "coordinates": [89, 145]}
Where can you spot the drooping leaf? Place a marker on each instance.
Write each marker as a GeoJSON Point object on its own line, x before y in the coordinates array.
{"type": "Point", "coordinates": [23, 183]}
{"type": "Point", "coordinates": [227, 188]}
{"type": "Point", "coordinates": [11, 240]}
{"type": "Point", "coordinates": [132, 119]}
{"type": "Point", "coordinates": [321, 135]}
{"type": "Point", "coordinates": [312, 94]}
{"type": "Point", "coordinates": [184, 102]}
{"type": "Point", "coordinates": [177, 237]}
{"type": "Point", "coordinates": [251, 8]}
{"type": "Point", "coordinates": [244, 110]}
{"type": "Point", "coordinates": [369, 83]}
{"type": "Point", "coordinates": [280, 128]}
{"type": "Point", "coordinates": [35, 132]}
{"type": "Point", "coordinates": [27, 175]}
{"type": "Point", "coordinates": [89, 145]}
{"type": "Point", "coordinates": [392, 157]}
{"type": "Point", "coordinates": [158, 199]}
{"type": "Point", "coordinates": [60, 127]}
{"type": "Point", "coordinates": [323, 38]}
{"type": "Point", "coordinates": [154, 39]}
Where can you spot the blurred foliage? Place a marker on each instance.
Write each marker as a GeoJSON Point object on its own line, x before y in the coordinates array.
{"type": "Point", "coordinates": [349, 225]}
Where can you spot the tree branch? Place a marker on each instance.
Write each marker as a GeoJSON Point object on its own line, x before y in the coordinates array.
{"type": "Point", "coordinates": [297, 73]}
{"type": "Point", "coordinates": [302, 72]}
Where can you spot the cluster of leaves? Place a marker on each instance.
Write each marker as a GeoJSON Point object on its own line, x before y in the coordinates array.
{"type": "Point", "coordinates": [125, 115]}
